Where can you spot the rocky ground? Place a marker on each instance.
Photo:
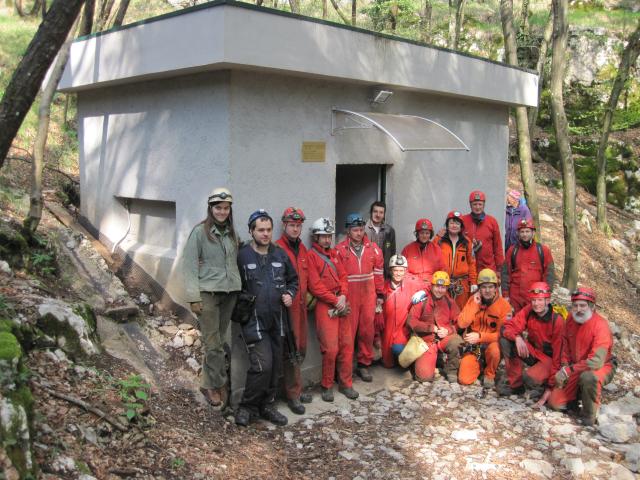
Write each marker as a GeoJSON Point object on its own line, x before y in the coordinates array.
{"type": "Point", "coordinates": [408, 430]}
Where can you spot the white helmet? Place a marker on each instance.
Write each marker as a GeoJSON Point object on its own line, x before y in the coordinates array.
{"type": "Point", "coordinates": [323, 226]}
{"type": "Point", "coordinates": [220, 194]}
{"type": "Point", "coordinates": [398, 261]}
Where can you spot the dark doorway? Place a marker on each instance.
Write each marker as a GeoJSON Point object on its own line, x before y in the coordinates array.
{"type": "Point", "coordinates": [357, 186]}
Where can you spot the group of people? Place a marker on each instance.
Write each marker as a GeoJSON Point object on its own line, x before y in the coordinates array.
{"type": "Point", "coordinates": [468, 302]}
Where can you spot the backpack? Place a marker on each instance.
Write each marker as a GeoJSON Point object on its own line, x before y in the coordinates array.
{"type": "Point", "coordinates": [515, 252]}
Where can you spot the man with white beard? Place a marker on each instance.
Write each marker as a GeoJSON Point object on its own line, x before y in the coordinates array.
{"type": "Point", "coordinates": [585, 364]}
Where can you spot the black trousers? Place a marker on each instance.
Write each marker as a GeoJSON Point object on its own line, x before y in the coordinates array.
{"type": "Point", "coordinates": [264, 373]}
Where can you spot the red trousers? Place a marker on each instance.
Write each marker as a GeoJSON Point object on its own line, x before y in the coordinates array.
{"type": "Point", "coordinates": [470, 365]}
{"type": "Point", "coordinates": [292, 376]}
{"type": "Point", "coordinates": [425, 366]}
{"type": "Point", "coordinates": [590, 383]}
{"type": "Point", "coordinates": [336, 346]}
{"type": "Point", "coordinates": [362, 298]}
{"type": "Point", "coordinates": [537, 374]}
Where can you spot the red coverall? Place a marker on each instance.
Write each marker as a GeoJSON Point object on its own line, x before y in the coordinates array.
{"type": "Point", "coordinates": [487, 231]}
{"type": "Point", "coordinates": [396, 307]}
{"type": "Point", "coordinates": [460, 264]}
{"type": "Point", "coordinates": [297, 316]}
{"type": "Point", "coordinates": [516, 281]}
{"type": "Point", "coordinates": [334, 333]}
{"type": "Point", "coordinates": [423, 261]}
{"type": "Point", "coordinates": [366, 281]}
{"type": "Point", "coordinates": [579, 344]}
{"type": "Point", "coordinates": [487, 321]}
{"type": "Point", "coordinates": [540, 331]}
{"type": "Point", "coordinates": [424, 319]}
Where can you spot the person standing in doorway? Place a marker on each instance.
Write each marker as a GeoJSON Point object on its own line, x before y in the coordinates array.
{"type": "Point", "coordinates": [484, 233]}
{"type": "Point", "coordinates": [267, 274]}
{"type": "Point", "coordinates": [212, 281]}
{"type": "Point", "coordinates": [290, 242]}
{"type": "Point", "coordinates": [363, 262]}
{"type": "Point", "coordinates": [381, 233]}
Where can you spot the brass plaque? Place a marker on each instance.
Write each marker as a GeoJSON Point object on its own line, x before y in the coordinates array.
{"type": "Point", "coordinates": [314, 151]}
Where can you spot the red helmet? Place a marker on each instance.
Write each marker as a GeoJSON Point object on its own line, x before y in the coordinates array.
{"type": "Point", "coordinates": [424, 224]}
{"type": "Point", "coordinates": [293, 214]}
{"type": "Point", "coordinates": [454, 214]}
{"type": "Point", "coordinates": [584, 293]}
{"type": "Point", "coordinates": [476, 196]}
{"type": "Point", "coordinates": [539, 290]}
{"type": "Point", "coordinates": [526, 223]}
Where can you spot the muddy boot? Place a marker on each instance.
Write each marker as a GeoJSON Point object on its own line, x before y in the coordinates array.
{"type": "Point", "coordinates": [488, 383]}
{"type": "Point", "coordinates": [243, 417]}
{"type": "Point", "coordinates": [363, 372]}
{"type": "Point", "coordinates": [505, 390]}
{"type": "Point", "coordinates": [271, 414]}
{"type": "Point", "coordinates": [306, 397]}
{"type": "Point", "coordinates": [295, 405]}
{"type": "Point", "coordinates": [327, 394]}
{"type": "Point", "coordinates": [348, 392]}
{"type": "Point", "coordinates": [453, 359]}
{"type": "Point", "coordinates": [589, 390]}
{"type": "Point", "coordinates": [212, 396]}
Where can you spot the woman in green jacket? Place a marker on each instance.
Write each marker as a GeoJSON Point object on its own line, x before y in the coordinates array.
{"type": "Point", "coordinates": [212, 283]}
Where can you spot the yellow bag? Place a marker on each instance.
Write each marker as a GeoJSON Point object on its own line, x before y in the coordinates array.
{"type": "Point", "coordinates": [412, 351]}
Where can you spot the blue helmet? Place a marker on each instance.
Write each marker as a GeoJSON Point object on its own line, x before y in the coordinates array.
{"type": "Point", "coordinates": [354, 220]}
{"type": "Point", "coordinates": [261, 213]}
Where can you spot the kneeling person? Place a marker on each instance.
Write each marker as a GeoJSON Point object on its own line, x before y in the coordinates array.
{"type": "Point", "coordinates": [543, 342]}
{"type": "Point", "coordinates": [435, 321]}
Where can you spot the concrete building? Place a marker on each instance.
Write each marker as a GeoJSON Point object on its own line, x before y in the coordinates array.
{"type": "Point", "coordinates": [269, 104]}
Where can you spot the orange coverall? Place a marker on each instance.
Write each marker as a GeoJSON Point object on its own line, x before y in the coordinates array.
{"type": "Point", "coordinates": [460, 264]}
{"type": "Point", "coordinates": [423, 261]}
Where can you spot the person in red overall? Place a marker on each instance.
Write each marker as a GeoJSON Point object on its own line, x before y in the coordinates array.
{"type": "Point", "coordinates": [526, 262]}
{"type": "Point", "coordinates": [435, 321]}
{"type": "Point", "coordinates": [328, 283]}
{"type": "Point", "coordinates": [586, 362]}
{"type": "Point", "coordinates": [423, 255]}
{"type": "Point", "coordinates": [484, 232]}
{"type": "Point", "coordinates": [459, 260]}
{"type": "Point", "coordinates": [363, 262]}
{"type": "Point", "coordinates": [290, 242]}
{"type": "Point", "coordinates": [398, 291]}
{"type": "Point", "coordinates": [532, 337]}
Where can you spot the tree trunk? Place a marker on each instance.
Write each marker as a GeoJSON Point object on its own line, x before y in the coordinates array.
{"type": "Point", "coordinates": [44, 116]}
{"type": "Point", "coordinates": [393, 13]}
{"type": "Point", "coordinates": [522, 121]}
{"type": "Point", "coordinates": [87, 18]}
{"type": "Point", "coordinates": [120, 14]}
{"type": "Point", "coordinates": [105, 11]}
{"type": "Point", "coordinates": [459, 22]}
{"type": "Point", "coordinates": [342, 16]}
{"type": "Point", "coordinates": [19, 10]}
{"type": "Point", "coordinates": [425, 21]}
{"type": "Point", "coordinates": [259, 2]}
{"type": "Point", "coordinates": [354, 12]}
{"type": "Point", "coordinates": [542, 60]}
{"type": "Point", "coordinates": [558, 62]}
{"type": "Point", "coordinates": [524, 17]}
{"type": "Point", "coordinates": [295, 6]}
{"type": "Point", "coordinates": [325, 10]}
{"type": "Point", "coordinates": [25, 82]}
{"type": "Point", "coordinates": [452, 22]}
{"type": "Point", "coordinates": [629, 57]}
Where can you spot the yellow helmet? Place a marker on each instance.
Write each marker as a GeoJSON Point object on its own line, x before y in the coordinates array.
{"type": "Point", "coordinates": [440, 278]}
{"type": "Point", "coordinates": [487, 276]}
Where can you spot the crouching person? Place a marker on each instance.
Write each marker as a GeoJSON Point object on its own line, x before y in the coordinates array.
{"type": "Point", "coordinates": [586, 363]}
{"type": "Point", "coordinates": [533, 337]}
{"type": "Point", "coordinates": [328, 283]}
{"type": "Point", "coordinates": [482, 317]}
{"type": "Point", "coordinates": [268, 274]}
{"type": "Point", "coordinates": [435, 322]}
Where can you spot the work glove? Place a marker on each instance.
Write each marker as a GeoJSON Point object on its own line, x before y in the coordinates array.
{"type": "Point", "coordinates": [474, 288]}
{"type": "Point", "coordinates": [562, 377]}
{"type": "Point", "coordinates": [597, 361]}
{"type": "Point", "coordinates": [418, 297]}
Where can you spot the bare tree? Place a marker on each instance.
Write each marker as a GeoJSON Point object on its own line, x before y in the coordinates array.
{"type": "Point", "coordinates": [44, 116]}
{"type": "Point", "coordinates": [325, 10]}
{"type": "Point", "coordinates": [295, 6]}
{"type": "Point", "coordinates": [120, 14]}
{"type": "Point", "coordinates": [342, 16]}
{"type": "Point", "coordinates": [87, 18]}
{"type": "Point", "coordinates": [425, 21]}
{"type": "Point", "coordinates": [561, 127]}
{"type": "Point", "coordinates": [103, 17]}
{"type": "Point", "coordinates": [354, 11]}
{"type": "Point", "coordinates": [456, 19]}
{"type": "Point", "coordinates": [629, 57]}
{"type": "Point", "coordinates": [522, 120]}
{"type": "Point", "coordinates": [542, 60]}
{"type": "Point", "coordinates": [25, 82]}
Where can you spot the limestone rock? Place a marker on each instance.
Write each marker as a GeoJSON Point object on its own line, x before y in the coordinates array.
{"type": "Point", "coordinates": [169, 330]}
{"type": "Point", "coordinates": [619, 247]}
{"type": "Point", "coordinates": [464, 435]}
{"type": "Point", "coordinates": [618, 429]}
{"type": "Point", "coordinates": [72, 327]}
{"type": "Point", "coordinates": [546, 218]}
{"type": "Point", "coordinates": [632, 456]}
{"type": "Point", "coordinates": [540, 468]}
{"type": "Point", "coordinates": [575, 466]}
{"type": "Point", "coordinates": [5, 268]}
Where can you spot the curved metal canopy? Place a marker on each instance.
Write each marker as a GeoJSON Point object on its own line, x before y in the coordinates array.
{"type": "Point", "coordinates": [409, 132]}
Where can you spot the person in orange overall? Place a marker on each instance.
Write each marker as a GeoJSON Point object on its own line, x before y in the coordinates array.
{"type": "Point", "coordinates": [459, 260]}
{"type": "Point", "coordinates": [482, 318]}
{"type": "Point", "coordinates": [398, 291]}
{"type": "Point", "coordinates": [423, 255]}
{"type": "Point", "coordinates": [484, 232]}
{"type": "Point", "coordinates": [435, 321]}
{"type": "Point", "coordinates": [290, 242]}
{"type": "Point", "coordinates": [328, 283]}
{"type": "Point", "coordinates": [586, 362]}
{"type": "Point", "coordinates": [526, 262]}
{"type": "Point", "coordinates": [363, 262]}
{"type": "Point", "coordinates": [539, 349]}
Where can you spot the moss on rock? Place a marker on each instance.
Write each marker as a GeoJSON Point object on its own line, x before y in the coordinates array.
{"type": "Point", "coordinates": [10, 349]}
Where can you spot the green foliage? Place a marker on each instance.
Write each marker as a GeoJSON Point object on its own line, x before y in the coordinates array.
{"type": "Point", "coordinates": [9, 347]}
{"type": "Point", "coordinates": [134, 393]}
{"type": "Point", "coordinates": [178, 463]}
{"type": "Point", "coordinates": [43, 263]}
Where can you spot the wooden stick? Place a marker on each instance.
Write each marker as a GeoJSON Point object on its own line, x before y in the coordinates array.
{"type": "Point", "coordinates": [85, 405]}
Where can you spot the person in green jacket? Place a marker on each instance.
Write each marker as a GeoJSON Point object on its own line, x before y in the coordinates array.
{"type": "Point", "coordinates": [212, 282]}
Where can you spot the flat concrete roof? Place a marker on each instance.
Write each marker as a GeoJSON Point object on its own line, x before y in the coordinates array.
{"type": "Point", "coordinates": [233, 35]}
